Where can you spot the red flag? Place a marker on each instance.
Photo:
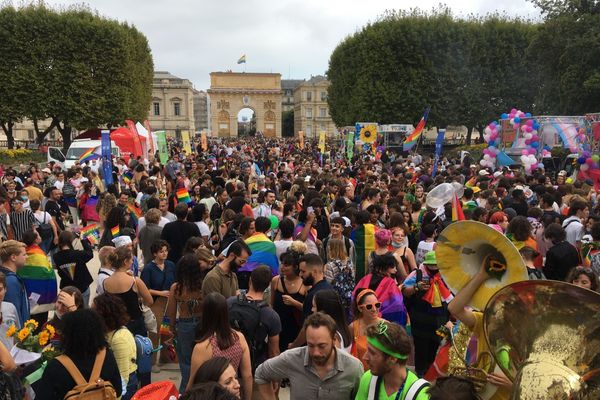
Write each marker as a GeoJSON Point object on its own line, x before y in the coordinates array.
{"type": "Point", "coordinates": [457, 212]}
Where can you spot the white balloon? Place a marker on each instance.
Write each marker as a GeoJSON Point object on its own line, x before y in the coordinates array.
{"type": "Point", "coordinates": [486, 157]}
{"type": "Point", "coordinates": [487, 131]}
{"type": "Point", "coordinates": [483, 163]}
{"type": "Point", "coordinates": [528, 136]}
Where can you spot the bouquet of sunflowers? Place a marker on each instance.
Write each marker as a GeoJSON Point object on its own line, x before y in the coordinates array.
{"type": "Point", "coordinates": [26, 340]}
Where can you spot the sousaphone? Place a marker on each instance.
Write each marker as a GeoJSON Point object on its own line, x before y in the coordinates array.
{"type": "Point", "coordinates": [545, 335]}
{"type": "Point", "coordinates": [464, 246]}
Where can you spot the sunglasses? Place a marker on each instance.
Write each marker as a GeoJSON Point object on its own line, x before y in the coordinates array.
{"type": "Point", "coordinates": [370, 306]}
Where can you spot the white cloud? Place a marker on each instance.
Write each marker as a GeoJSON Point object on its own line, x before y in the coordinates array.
{"type": "Point", "coordinates": [293, 37]}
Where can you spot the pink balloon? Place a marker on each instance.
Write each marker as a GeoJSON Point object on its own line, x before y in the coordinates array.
{"type": "Point", "coordinates": [532, 151]}
{"type": "Point", "coordinates": [589, 161]}
{"type": "Point", "coordinates": [529, 122]}
{"type": "Point", "coordinates": [535, 138]}
{"type": "Point", "coordinates": [513, 111]}
{"type": "Point", "coordinates": [527, 142]}
{"type": "Point", "coordinates": [525, 152]}
{"type": "Point", "coordinates": [573, 149]}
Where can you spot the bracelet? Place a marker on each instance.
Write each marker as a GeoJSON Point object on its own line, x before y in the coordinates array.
{"type": "Point", "coordinates": [73, 306]}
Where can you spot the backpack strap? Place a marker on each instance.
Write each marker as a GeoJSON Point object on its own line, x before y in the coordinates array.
{"type": "Point", "coordinates": [98, 366]}
{"type": "Point", "coordinates": [373, 387]}
{"type": "Point", "coordinates": [415, 389]}
{"type": "Point", "coordinates": [72, 370]}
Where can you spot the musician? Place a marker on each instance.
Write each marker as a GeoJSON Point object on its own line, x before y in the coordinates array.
{"type": "Point", "coordinates": [473, 320]}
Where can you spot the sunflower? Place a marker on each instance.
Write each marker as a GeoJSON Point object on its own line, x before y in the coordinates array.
{"type": "Point", "coordinates": [368, 133]}
{"type": "Point", "coordinates": [31, 324]}
{"type": "Point", "coordinates": [11, 331]}
{"type": "Point", "coordinates": [43, 338]}
{"type": "Point", "coordinates": [23, 334]}
{"type": "Point", "coordinates": [50, 330]}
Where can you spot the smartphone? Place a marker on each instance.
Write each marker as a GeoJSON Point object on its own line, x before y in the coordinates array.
{"type": "Point", "coordinates": [310, 210]}
{"type": "Point", "coordinates": [425, 280]}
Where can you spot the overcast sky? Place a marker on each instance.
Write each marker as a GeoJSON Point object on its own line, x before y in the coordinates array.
{"type": "Point", "coordinates": [191, 38]}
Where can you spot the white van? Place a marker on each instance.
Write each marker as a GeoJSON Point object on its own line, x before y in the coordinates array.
{"type": "Point", "coordinates": [77, 148]}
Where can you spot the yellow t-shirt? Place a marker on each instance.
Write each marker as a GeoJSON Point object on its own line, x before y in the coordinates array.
{"type": "Point", "coordinates": [122, 344]}
{"type": "Point", "coordinates": [501, 394]}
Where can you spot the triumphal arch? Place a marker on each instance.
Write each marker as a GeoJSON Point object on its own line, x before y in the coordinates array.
{"type": "Point", "coordinates": [230, 92]}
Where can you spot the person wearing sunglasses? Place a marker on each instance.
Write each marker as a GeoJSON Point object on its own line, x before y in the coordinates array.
{"type": "Point", "coordinates": [388, 348]}
{"type": "Point", "coordinates": [365, 309]}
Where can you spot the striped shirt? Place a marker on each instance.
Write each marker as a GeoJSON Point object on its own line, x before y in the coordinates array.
{"type": "Point", "coordinates": [21, 222]}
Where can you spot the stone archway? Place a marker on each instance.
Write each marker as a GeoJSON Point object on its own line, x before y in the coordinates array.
{"type": "Point", "coordinates": [230, 92]}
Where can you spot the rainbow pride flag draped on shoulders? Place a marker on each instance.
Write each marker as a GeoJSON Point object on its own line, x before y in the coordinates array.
{"type": "Point", "coordinates": [363, 237]}
{"type": "Point", "coordinates": [39, 277]}
{"type": "Point", "coordinates": [390, 297]}
{"type": "Point", "coordinates": [263, 252]}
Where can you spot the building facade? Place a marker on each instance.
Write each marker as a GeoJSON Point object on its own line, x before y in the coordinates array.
{"type": "Point", "coordinates": [287, 90]}
{"type": "Point", "coordinates": [230, 92]}
{"type": "Point", "coordinates": [172, 107]}
{"type": "Point", "coordinates": [311, 111]}
{"type": "Point", "coordinates": [200, 110]}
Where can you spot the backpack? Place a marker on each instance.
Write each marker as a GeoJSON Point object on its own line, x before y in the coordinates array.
{"type": "Point", "coordinates": [11, 387]}
{"type": "Point", "coordinates": [343, 283]}
{"type": "Point", "coordinates": [244, 316]}
{"type": "Point", "coordinates": [44, 229]}
{"type": "Point", "coordinates": [69, 190]}
{"type": "Point", "coordinates": [415, 386]}
{"type": "Point", "coordinates": [96, 388]}
{"type": "Point", "coordinates": [144, 349]}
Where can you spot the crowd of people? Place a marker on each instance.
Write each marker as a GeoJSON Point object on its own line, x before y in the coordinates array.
{"type": "Point", "coordinates": [267, 265]}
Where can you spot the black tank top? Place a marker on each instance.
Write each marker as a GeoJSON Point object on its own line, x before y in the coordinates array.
{"type": "Point", "coordinates": [131, 300]}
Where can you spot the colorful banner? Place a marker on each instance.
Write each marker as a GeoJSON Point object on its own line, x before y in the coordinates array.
{"type": "Point", "coordinates": [301, 139]}
{"type": "Point", "coordinates": [204, 140]}
{"type": "Point", "coordinates": [106, 158]}
{"type": "Point", "coordinates": [350, 145]}
{"type": "Point", "coordinates": [413, 138]}
{"type": "Point", "coordinates": [438, 150]}
{"type": "Point", "coordinates": [163, 150]}
{"type": "Point", "coordinates": [185, 138]}
{"type": "Point", "coordinates": [322, 140]}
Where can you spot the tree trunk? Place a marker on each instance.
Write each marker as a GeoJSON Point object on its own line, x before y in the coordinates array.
{"type": "Point", "coordinates": [41, 136]}
{"type": "Point", "coordinates": [65, 133]}
{"type": "Point", "coordinates": [480, 130]}
{"type": "Point", "coordinates": [469, 134]}
{"type": "Point", "coordinates": [7, 127]}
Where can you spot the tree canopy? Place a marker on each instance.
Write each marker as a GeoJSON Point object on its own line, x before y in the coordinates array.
{"type": "Point", "coordinates": [73, 67]}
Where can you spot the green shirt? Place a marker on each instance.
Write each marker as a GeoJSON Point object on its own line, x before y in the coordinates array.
{"type": "Point", "coordinates": [363, 388]}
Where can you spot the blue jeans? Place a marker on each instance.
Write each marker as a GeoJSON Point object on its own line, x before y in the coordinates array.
{"type": "Point", "coordinates": [186, 337]}
{"type": "Point", "coordinates": [132, 386]}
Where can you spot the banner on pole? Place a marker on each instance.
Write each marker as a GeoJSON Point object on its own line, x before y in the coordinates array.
{"type": "Point", "coordinates": [204, 140]}
{"type": "Point", "coordinates": [322, 142]}
{"type": "Point", "coordinates": [350, 145]}
{"type": "Point", "coordinates": [163, 150]}
{"type": "Point", "coordinates": [106, 157]}
{"type": "Point", "coordinates": [185, 138]}
{"type": "Point", "coordinates": [301, 140]}
{"type": "Point", "coordinates": [438, 150]}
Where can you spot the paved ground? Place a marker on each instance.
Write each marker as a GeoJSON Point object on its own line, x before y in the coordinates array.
{"type": "Point", "coordinates": [168, 371]}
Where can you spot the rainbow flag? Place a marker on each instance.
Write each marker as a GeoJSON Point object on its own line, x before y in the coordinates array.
{"type": "Point", "coordinates": [183, 196]}
{"type": "Point", "coordinates": [165, 327]}
{"type": "Point", "coordinates": [115, 231]}
{"type": "Point", "coordinates": [127, 176]}
{"type": "Point", "coordinates": [364, 243]}
{"type": "Point", "coordinates": [392, 302]}
{"type": "Point", "coordinates": [91, 233]}
{"type": "Point", "coordinates": [38, 275]}
{"type": "Point", "coordinates": [413, 138]}
{"type": "Point", "coordinates": [90, 154]}
{"type": "Point", "coordinates": [135, 211]}
{"type": "Point", "coordinates": [457, 212]}
{"type": "Point", "coordinates": [92, 201]}
{"type": "Point", "coordinates": [263, 253]}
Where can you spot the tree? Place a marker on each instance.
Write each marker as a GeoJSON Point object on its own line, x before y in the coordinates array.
{"type": "Point", "coordinates": [287, 123]}
{"type": "Point", "coordinates": [73, 67]}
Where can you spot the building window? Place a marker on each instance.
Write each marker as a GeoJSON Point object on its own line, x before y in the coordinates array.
{"type": "Point", "coordinates": [308, 96]}
{"type": "Point", "coordinates": [177, 109]}
{"type": "Point", "coordinates": [156, 108]}
{"type": "Point", "coordinates": [30, 134]}
{"type": "Point", "coordinates": [309, 131]}
{"type": "Point", "coordinates": [322, 112]}
{"type": "Point", "coordinates": [288, 92]}
{"type": "Point", "coordinates": [308, 112]}
{"type": "Point", "coordinates": [322, 128]}
{"type": "Point", "coordinates": [323, 96]}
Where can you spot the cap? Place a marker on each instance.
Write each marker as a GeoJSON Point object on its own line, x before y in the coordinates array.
{"type": "Point", "coordinates": [47, 170]}
{"type": "Point", "coordinates": [347, 222]}
{"type": "Point", "coordinates": [121, 241]}
{"type": "Point", "coordinates": [497, 174]}
{"type": "Point", "coordinates": [483, 172]}
{"type": "Point", "coordinates": [473, 166]}
{"type": "Point", "coordinates": [562, 173]}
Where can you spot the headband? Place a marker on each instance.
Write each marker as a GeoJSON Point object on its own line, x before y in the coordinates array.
{"type": "Point", "coordinates": [379, 346]}
{"type": "Point", "coordinates": [363, 294]}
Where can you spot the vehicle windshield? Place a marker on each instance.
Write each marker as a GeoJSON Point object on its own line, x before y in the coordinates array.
{"type": "Point", "coordinates": [73, 153]}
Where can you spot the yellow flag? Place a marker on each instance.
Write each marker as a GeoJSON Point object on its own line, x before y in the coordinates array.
{"type": "Point", "coordinates": [185, 138]}
{"type": "Point", "coordinates": [322, 142]}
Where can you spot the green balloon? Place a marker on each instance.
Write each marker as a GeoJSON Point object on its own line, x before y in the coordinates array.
{"type": "Point", "coordinates": [595, 158]}
{"type": "Point", "coordinates": [274, 222]}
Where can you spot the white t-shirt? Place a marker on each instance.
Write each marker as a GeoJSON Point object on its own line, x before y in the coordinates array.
{"type": "Point", "coordinates": [142, 223]}
{"type": "Point", "coordinates": [102, 275]}
{"type": "Point", "coordinates": [422, 249]}
{"type": "Point", "coordinates": [281, 246]}
{"type": "Point", "coordinates": [204, 229]}
{"type": "Point", "coordinates": [42, 217]}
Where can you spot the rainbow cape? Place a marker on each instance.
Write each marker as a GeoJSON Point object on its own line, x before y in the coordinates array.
{"type": "Point", "coordinates": [183, 196]}
{"type": "Point", "coordinates": [413, 138]}
{"type": "Point", "coordinates": [457, 212]}
{"type": "Point", "coordinates": [91, 233]}
{"type": "Point", "coordinates": [90, 154]}
{"type": "Point", "coordinates": [263, 253]}
{"type": "Point", "coordinates": [392, 302]}
{"type": "Point", "coordinates": [363, 237]}
{"type": "Point", "coordinates": [38, 275]}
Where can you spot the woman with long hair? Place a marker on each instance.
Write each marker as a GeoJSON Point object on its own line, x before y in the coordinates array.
{"type": "Point", "coordinates": [114, 315]}
{"type": "Point", "coordinates": [219, 370]}
{"type": "Point", "coordinates": [366, 311]}
{"type": "Point", "coordinates": [329, 302]}
{"type": "Point", "coordinates": [130, 289]}
{"type": "Point", "coordinates": [185, 301]}
{"type": "Point", "coordinates": [216, 338]}
{"type": "Point", "coordinates": [583, 277]}
{"type": "Point", "coordinates": [72, 264]}
{"type": "Point", "coordinates": [287, 296]}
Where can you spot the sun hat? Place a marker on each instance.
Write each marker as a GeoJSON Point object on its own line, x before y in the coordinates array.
{"type": "Point", "coordinates": [430, 258]}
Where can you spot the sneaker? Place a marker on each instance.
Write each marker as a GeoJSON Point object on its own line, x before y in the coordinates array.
{"type": "Point", "coordinates": [155, 369]}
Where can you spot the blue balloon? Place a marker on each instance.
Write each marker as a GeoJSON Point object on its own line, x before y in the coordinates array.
{"type": "Point", "coordinates": [491, 143]}
{"type": "Point", "coordinates": [536, 126]}
{"type": "Point", "coordinates": [581, 160]}
{"type": "Point", "coordinates": [504, 116]}
{"type": "Point", "coordinates": [517, 120]}
{"type": "Point", "coordinates": [547, 148]}
{"type": "Point", "coordinates": [528, 115]}
{"type": "Point", "coordinates": [535, 145]}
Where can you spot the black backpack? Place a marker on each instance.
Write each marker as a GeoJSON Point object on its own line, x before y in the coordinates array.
{"type": "Point", "coordinates": [244, 316]}
{"type": "Point", "coordinates": [44, 229]}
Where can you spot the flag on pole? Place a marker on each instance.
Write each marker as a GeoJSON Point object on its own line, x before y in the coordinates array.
{"type": "Point", "coordinates": [91, 233]}
{"type": "Point", "coordinates": [183, 196]}
{"type": "Point", "coordinates": [457, 212]}
{"type": "Point", "coordinates": [413, 138]}
{"type": "Point", "coordinates": [242, 60]}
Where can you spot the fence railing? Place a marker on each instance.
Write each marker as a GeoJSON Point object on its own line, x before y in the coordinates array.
{"type": "Point", "coordinates": [29, 144]}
